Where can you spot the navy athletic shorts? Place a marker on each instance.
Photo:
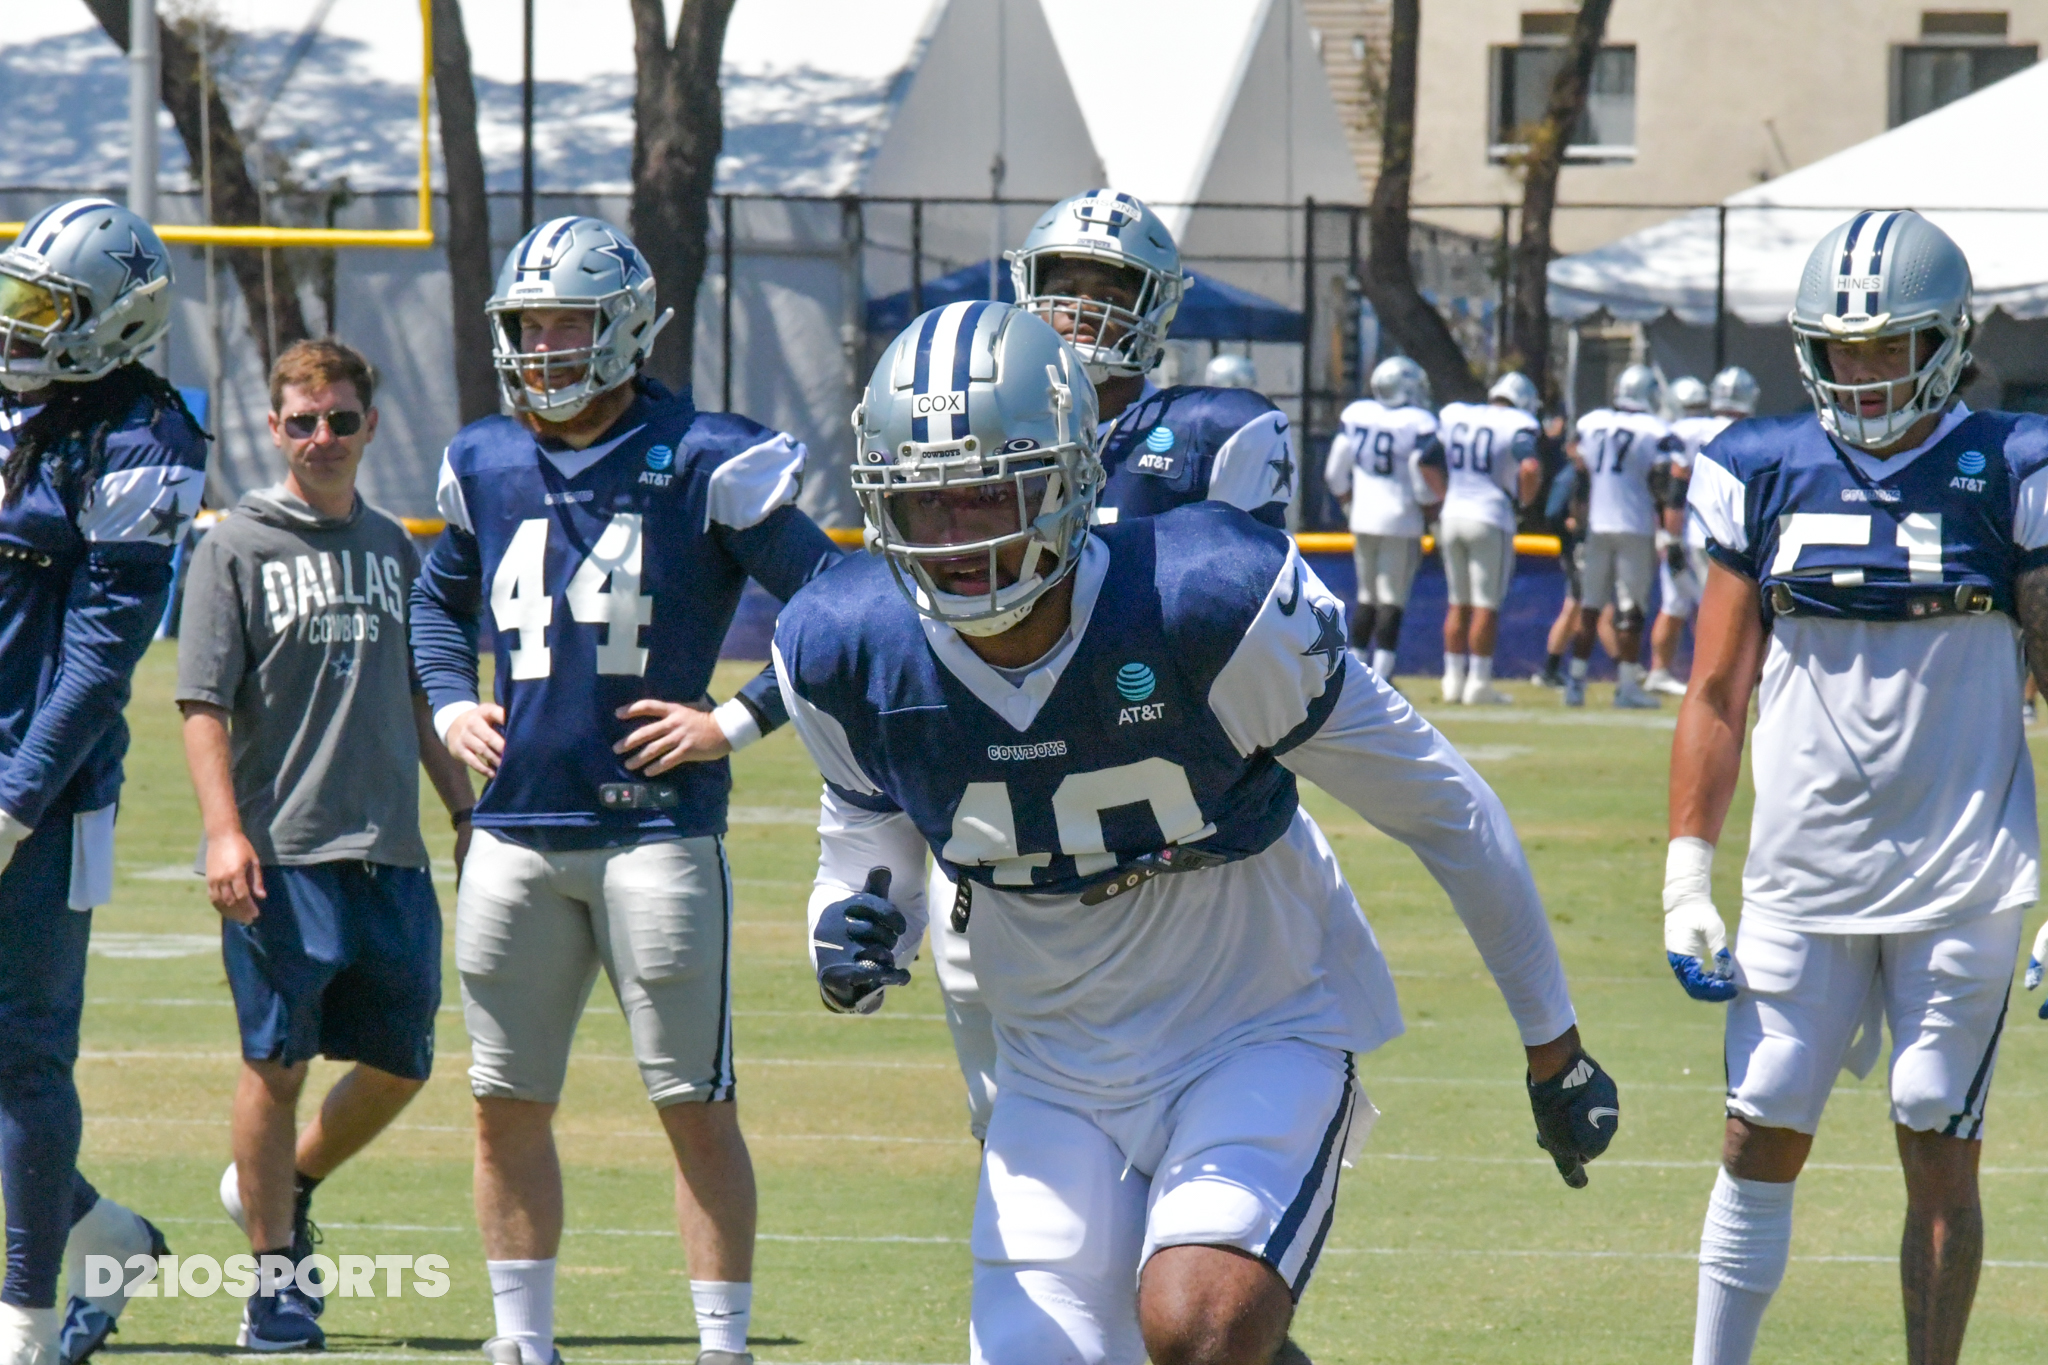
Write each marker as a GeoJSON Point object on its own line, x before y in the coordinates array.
{"type": "Point", "coordinates": [344, 962]}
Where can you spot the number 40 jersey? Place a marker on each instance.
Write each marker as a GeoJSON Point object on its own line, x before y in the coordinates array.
{"type": "Point", "coordinates": [603, 576]}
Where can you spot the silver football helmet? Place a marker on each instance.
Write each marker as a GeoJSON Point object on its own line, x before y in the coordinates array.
{"type": "Point", "coordinates": [1733, 393]}
{"type": "Point", "coordinates": [1115, 229]}
{"type": "Point", "coordinates": [84, 289]}
{"type": "Point", "coordinates": [573, 263]}
{"type": "Point", "coordinates": [979, 395]}
{"type": "Point", "coordinates": [1231, 372]}
{"type": "Point", "coordinates": [1400, 383]}
{"type": "Point", "coordinates": [1884, 273]}
{"type": "Point", "coordinates": [1689, 396]}
{"type": "Point", "coordinates": [1638, 389]}
{"type": "Point", "coordinates": [1516, 390]}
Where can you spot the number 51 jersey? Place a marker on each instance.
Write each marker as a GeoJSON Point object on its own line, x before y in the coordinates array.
{"type": "Point", "coordinates": [1894, 792]}
{"type": "Point", "coordinates": [604, 576]}
{"type": "Point", "coordinates": [1159, 727]}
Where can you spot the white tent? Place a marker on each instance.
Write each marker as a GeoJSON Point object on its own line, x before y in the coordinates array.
{"type": "Point", "coordinates": [1196, 104]}
{"type": "Point", "coordinates": [823, 98]}
{"type": "Point", "coordinates": [1978, 168]}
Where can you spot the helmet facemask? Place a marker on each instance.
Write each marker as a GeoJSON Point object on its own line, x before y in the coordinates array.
{"type": "Point", "coordinates": [1933, 379]}
{"type": "Point", "coordinates": [568, 379]}
{"type": "Point", "coordinates": [1052, 490]}
{"type": "Point", "coordinates": [1128, 340]}
{"type": "Point", "coordinates": [49, 332]}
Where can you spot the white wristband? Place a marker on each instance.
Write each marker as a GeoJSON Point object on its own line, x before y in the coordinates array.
{"type": "Point", "coordinates": [449, 714]}
{"type": "Point", "coordinates": [1688, 870]}
{"type": "Point", "coordinates": [736, 722]}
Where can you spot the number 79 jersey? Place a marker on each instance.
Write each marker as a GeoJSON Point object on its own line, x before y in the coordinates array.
{"type": "Point", "coordinates": [601, 577]}
{"type": "Point", "coordinates": [1201, 648]}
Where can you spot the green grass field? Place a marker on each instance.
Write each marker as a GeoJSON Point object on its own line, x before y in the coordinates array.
{"type": "Point", "coordinates": [1455, 1240]}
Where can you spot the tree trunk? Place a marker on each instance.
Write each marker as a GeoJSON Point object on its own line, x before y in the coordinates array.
{"type": "Point", "coordinates": [469, 215]}
{"type": "Point", "coordinates": [1529, 335]}
{"type": "Point", "coordinates": [1389, 274]}
{"type": "Point", "coordinates": [678, 128]}
{"type": "Point", "coordinates": [235, 200]}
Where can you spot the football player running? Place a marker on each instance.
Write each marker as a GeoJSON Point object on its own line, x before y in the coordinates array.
{"type": "Point", "coordinates": [1178, 973]}
{"type": "Point", "coordinates": [103, 470]}
{"type": "Point", "coordinates": [607, 530]}
{"type": "Point", "coordinates": [1875, 569]}
{"type": "Point", "coordinates": [1373, 471]}
{"type": "Point", "coordinates": [1103, 270]}
{"type": "Point", "coordinates": [1619, 452]}
{"type": "Point", "coordinates": [1487, 455]}
{"type": "Point", "coordinates": [1709, 411]}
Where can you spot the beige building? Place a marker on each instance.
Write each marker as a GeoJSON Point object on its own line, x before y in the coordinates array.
{"type": "Point", "coordinates": [1692, 99]}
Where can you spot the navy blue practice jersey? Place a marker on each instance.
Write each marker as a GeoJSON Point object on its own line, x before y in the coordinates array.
{"type": "Point", "coordinates": [84, 573]}
{"type": "Point", "coordinates": [1843, 534]}
{"type": "Point", "coordinates": [1191, 443]}
{"type": "Point", "coordinates": [604, 576]}
{"type": "Point", "coordinates": [1213, 651]}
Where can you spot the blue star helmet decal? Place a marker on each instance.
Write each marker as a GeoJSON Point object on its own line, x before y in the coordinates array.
{"type": "Point", "coordinates": [630, 264]}
{"type": "Point", "coordinates": [138, 263]}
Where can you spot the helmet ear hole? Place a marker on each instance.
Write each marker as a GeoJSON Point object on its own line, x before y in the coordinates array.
{"type": "Point", "coordinates": [131, 329]}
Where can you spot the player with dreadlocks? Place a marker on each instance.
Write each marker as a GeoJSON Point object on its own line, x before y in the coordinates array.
{"type": "Point", "coordinates": [104, 467]}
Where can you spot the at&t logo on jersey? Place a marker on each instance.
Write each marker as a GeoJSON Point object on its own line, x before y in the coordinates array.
{"type": "Point", "coordinates": [1970, 462]}
{"type": "Point", "coordinates": [660, 460]}
{"type": "Point", "coordinates": [1134, 683]}
{"type": "Point", "coordinates": [1159, 440]}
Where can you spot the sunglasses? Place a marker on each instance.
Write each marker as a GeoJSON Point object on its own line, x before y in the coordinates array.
{"type": "Point", "coordinates": [300, 426]}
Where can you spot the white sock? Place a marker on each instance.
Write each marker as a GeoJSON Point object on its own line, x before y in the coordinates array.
{"type": "Point", "coordinates": [1482, 670]}
{"type": "Point", "coordinates": [1631, 675]}
{"type": "Point", "coordinates": [106, 1230]}
{"type": "Point", "coordinates": [1578, 668]}
{"type": "Point", "coordinates": [1454, 675]}
{"type": "Point", "coordinates": [1743, 1250]}
{"type": "Point", "coordinates": [523, 1301]}
{"type": "Point", "coordinates": [723, 1307]}
{"type": "Point", "coordinates": [1383, 662]}
{"type": "Point", "coordinates": [38, 1325]}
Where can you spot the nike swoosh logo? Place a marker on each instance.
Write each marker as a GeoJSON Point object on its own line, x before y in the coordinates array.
{"type": "Point", "coordinates": [1287, 608]}
{"type": "Point", "coordinates": [1593, 1115]}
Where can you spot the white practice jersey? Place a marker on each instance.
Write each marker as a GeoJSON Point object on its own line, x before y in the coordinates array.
{"type": "Point", "coordinates": [1373, 460]}
{"type": "Point", "coordinates": [1694, 433]}
{"type": "Point", "coordinates": [1216, 670]}
{"type": "Point", "coordinates": [1894, 790]}
{"type": "Point", "coordinates": [1619, 449]}
{"type": "Point", "coordinates": [1484, 445]}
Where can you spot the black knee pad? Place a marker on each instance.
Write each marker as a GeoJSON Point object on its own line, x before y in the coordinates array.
{"type": "Point", "coordinates": [1363, 617]}
{"type": "Point", "coordinates": [1631, 619]}
{"type": "Point", "coordinates": [1388, 635]}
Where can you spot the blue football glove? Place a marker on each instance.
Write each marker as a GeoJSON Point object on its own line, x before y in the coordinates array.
{"type": "Point", "coordinates": [1577, 1113]}
{"type": "Point", "coordinates": [2034, 964]}
{"type": "Point", "coordinates": [855, 947]}
{"type": "Point", "coordinates": [1695, 939]}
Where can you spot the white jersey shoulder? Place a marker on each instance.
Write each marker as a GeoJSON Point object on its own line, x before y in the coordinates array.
{"type": "Point", "coordinates": [1373, 462]}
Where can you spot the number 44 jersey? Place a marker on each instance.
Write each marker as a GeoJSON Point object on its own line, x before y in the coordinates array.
{"type": "Point", "coordinates": [1893, 788]}
{"type": "Point", "coordinates": [603, 576]}
{"type": "Point", "coordinates": [1203, 669]}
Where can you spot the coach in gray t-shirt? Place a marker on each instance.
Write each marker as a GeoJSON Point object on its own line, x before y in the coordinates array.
{"type": "Point", "coordinates": [303, 733]}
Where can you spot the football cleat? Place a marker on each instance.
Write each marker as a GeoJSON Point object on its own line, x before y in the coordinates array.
{"type": "Point", "coordinates": [1479, 693]}
{"type": "Point", "coordinates": [725, 1358]}
{"type": "Point", "coordinates": [284, 1321]}
{"type": "Point", "coordinates": [1574, 691]}
{"type": "Point", "coordinates": [1660, 680]}
{"type": "Point", "coordinates": [1630, 697]}
{"type": "Point", "coordinates": [506, 1351]}
{"type": "Point", "coordinates": [107, 1230]}
{"type": "Point", "coordinates": [305, 1232]}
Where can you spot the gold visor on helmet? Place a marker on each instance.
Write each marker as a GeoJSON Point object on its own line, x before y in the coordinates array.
{"type": "Point", "coordinates": [36, 305]}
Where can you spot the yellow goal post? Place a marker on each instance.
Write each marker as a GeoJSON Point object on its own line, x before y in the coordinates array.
{"type": "Point", "coordinates": [201, 234]}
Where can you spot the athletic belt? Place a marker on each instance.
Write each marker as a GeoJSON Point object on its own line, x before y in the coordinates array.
{"type": "Point", "coordinates": [638, 796]}
{"type": "Point", "coordinates": [1965, 599]}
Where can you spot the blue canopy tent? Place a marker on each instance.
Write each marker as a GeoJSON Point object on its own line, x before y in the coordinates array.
{"type": "Point", "coordinates": [1210, 310]}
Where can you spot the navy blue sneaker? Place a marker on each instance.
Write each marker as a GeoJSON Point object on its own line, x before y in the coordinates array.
{"type": "Point", "coordinates": [88, 1322]}
{"type": "Point", "coordinates": [283, 1322]}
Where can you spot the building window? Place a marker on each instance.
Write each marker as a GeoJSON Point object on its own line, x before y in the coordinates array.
{"type": "Point", "coordinates": [1521, 77]}
{"type": "Point", "coordinates": [1959, 53]}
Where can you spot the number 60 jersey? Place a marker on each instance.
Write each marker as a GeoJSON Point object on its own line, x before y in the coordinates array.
{"type": "Point", "coordinates": [604, 576]}
{"type": "Point", "coordinates": [1894, 792]}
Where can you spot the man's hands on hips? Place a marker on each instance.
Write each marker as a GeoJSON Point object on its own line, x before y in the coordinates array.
{"type": "Point", "coordinates": [1695, 939]}
{"type": "Point", "coordinates": [1576, 1104]}
{"type": "Point", "coordinates": [234, 877]}
{"type": "Point", "coordinates": [855, 946]}
{"type": "Point", "coordinates": [477, 737]}
{"type": "Point", "coordinates": [676, 733]}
